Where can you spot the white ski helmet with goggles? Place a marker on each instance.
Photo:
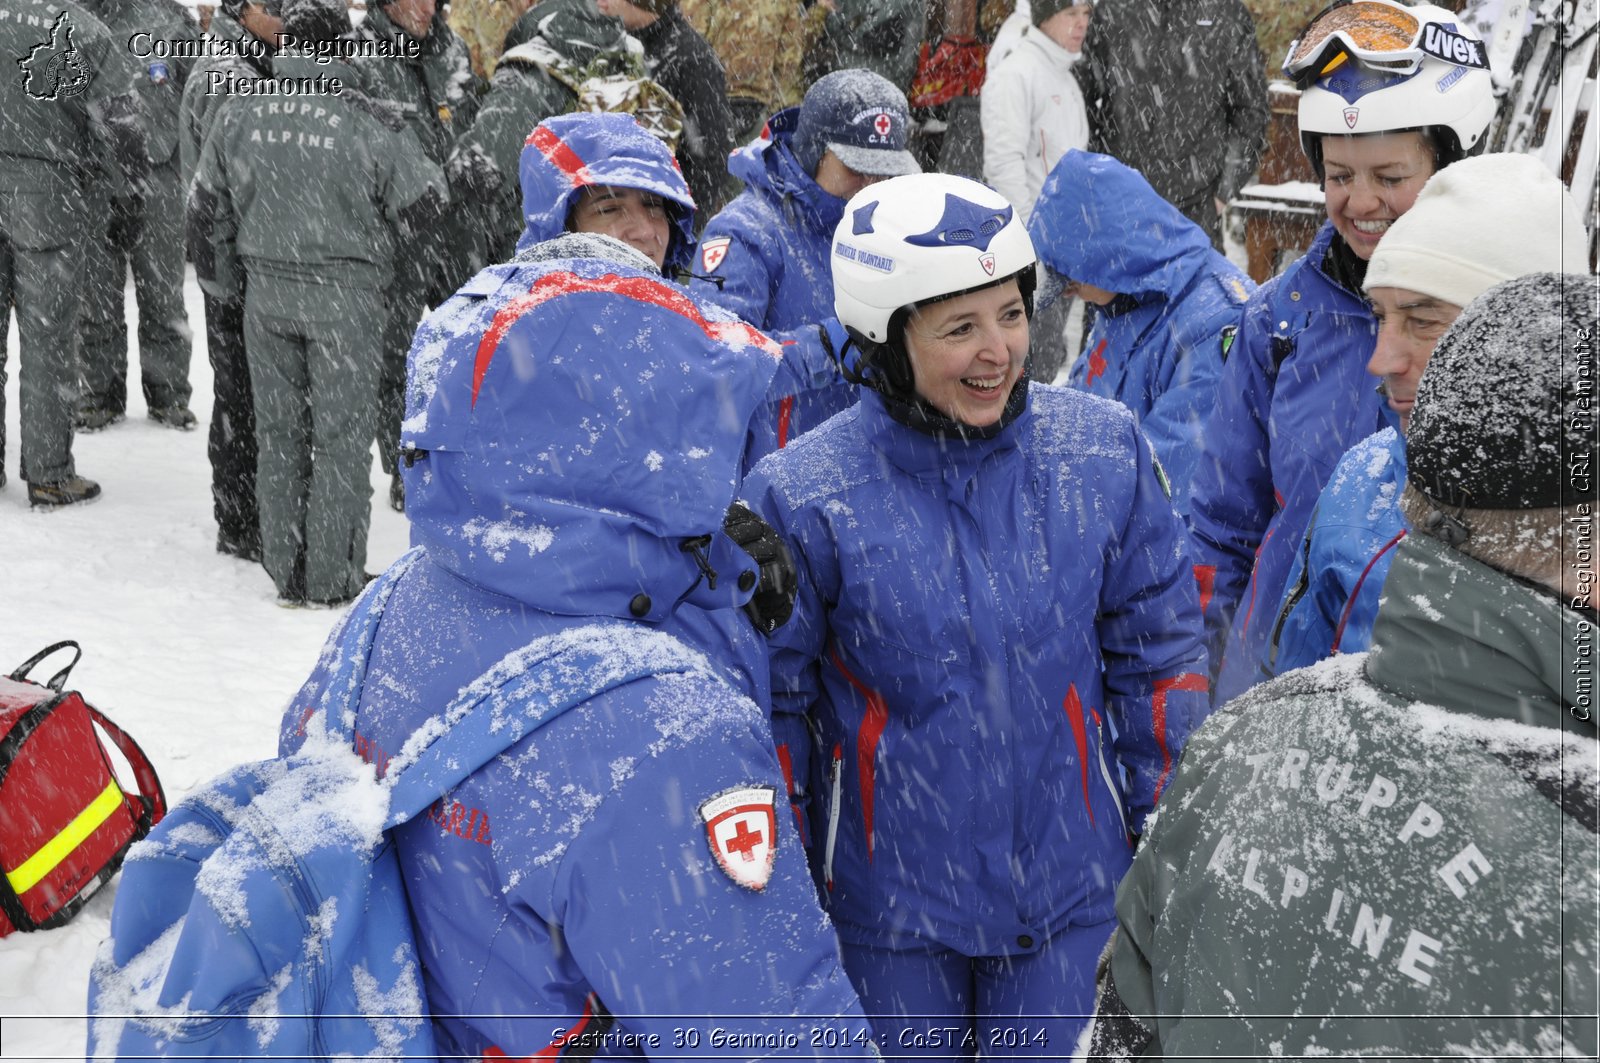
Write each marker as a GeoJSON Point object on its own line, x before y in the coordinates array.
{"type": "Point", "coordinates": [920, 237]}
{"type": "Point", "coordinates": [1377, 66]}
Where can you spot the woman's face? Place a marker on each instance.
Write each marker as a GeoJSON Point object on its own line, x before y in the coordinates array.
{"type": "Point", "coordinates": [638, 219]}
{"type": "Point", "coordinates": [1371, 181]}
{"type": "Point", "coordinates": [967, 352]}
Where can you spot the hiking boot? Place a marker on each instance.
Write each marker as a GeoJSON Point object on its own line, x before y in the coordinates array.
{"type": "Point", "coordinates": [94, 418]}
{"type": "Point", "coordinates": [244, 547]}
{"type": "Point", "coordinates": [177, 416]}
{"type": "Point", "coordinates": [72, 490]}
{"type": "Point", "coordinates": [397, 494]}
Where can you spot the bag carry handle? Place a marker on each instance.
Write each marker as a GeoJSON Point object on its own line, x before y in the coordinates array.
{"type": "Point", "coordinates": [150, 795]}
{"type": "Point", "coordinates": [59, 680]}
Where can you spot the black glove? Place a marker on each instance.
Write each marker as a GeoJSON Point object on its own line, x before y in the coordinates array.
{"type": "Point", "coordinates": [773, 602]}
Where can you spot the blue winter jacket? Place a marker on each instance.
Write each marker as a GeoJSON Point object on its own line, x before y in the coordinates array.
{"type": "Point", "coordinates": [571, 422]}
{"type": "Point", "coordinates": [997, 650]}
{"type": "Point", "coordinates": [1331, 598]}
{"type": "Point", "coordinates": [765, 256]}
{"type": "Point", "coordinates": [568, 153]}
{"type": "Point", "coordinates": [1294, 396]}
{"type": "Point", "coordinates": [1158, 350]}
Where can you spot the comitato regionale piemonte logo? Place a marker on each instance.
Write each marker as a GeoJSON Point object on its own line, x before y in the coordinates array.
{"type": "Point", "coordinates": [54, 69]}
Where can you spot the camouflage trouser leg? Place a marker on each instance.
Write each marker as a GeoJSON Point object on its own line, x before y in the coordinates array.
{"type": "Point", "coordinates": [44, 225]}
{"type": "Point", "coordinates": [314, 384]}
{"type": "Point", "coordinates": [156, 253]}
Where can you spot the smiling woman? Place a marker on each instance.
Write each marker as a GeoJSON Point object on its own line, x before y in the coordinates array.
{"type": "Point", "coordinates": [995, 652]}
{"type": "Point", "coordinates": [1389, 96]}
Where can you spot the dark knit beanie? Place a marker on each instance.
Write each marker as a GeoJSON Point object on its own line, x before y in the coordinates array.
{"type": "Point", "coordinates": [1505, 413]}
{"type": "Point", "coordinates": [315, 20]}
{"type": "Point", "coordinates": [1044, 9]}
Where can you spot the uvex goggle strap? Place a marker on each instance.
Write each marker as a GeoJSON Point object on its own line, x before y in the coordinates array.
{"type": "Point", "coordinates": [1379, 34]}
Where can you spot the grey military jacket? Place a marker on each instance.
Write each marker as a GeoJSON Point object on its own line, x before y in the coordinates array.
{"type": "Point", "coordinates": [1391, 854]}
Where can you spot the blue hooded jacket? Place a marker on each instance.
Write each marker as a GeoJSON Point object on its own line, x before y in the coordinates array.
{"type": "Point", "coordinates": [766, 257]}
{"type": "Point", "coordinates": [1332, 595]}
{"type": "Point", "coordinates": [1158, 350]}
{"type": "Point", "coordinates": [993, 664]}
{"type": "Point", "coordinates": [570, 152]}
{"type": "Point", "coordinates": [1294, 396]}
{"type": "Point", "coordinates": [573, 420]}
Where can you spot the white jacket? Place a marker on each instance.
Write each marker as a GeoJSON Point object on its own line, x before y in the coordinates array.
{"type": "Point", "coordinates": [1032, 114]}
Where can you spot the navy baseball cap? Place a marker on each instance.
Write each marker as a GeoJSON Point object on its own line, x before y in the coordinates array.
{"type": "Point", "coordinates": [862, 118]}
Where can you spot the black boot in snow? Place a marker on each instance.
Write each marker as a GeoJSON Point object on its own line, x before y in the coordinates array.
{"type": "Point", "coordinates": [72, 490]}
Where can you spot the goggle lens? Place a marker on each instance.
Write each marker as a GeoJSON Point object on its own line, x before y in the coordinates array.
{"type": "Point", "coordinates": [1377, 34]}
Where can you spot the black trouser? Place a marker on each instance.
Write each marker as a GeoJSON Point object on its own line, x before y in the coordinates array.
{"type": "Point", "coordinates": [232, 444]}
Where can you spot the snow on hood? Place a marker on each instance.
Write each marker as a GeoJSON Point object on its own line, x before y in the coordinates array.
{"type": "Point", "coordinates": [1099, 222]}
{"type": "Point", "coordinates": [581, 417]}
{"type": "Point", "coordinates": [566, 153]}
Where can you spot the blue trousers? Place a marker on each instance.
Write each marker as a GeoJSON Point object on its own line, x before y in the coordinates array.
{"type": "Point", "coordinates": [934, 1003]}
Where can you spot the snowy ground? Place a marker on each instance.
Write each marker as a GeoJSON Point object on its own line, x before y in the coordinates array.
{"type": "Point", "coordinates": [182, 646]}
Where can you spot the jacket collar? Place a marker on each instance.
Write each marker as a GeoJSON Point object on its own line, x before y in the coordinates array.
{"type": "Point", "coordinates": [1454, 632]}
{"type": "Point", "coordinates": [948, 456]}
{"type": "Point", "coordinates": [771, 168]}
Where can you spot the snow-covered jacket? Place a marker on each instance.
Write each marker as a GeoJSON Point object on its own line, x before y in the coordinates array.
{"type": "Point", "coordinates": [996, 652]}
{"type": "Point", "coordinates": [1294, 396]}
{"type": "Point", "coordinates": [1032, 113]}
{"type": "Point", "coordinates": [883, 36]}
{"type": "Point", "coordinates": [1331, 597]}
{"type": "Point", "coordinates": [1399, 845]}
{"type": "Point", "coordinates": [765, 257]}
{"type": "Point", "coordinates": [1178, 91]}
{"type": "Point", "coordinates": [560, 160]}
{"type": "Point", "coordinates": [573, 422]}
{"type": "Point", "coordinates": [1159, 348]}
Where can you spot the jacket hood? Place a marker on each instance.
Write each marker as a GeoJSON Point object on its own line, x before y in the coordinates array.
{"type": "Point", "coordinates": [574, 28]}
{"type": "Point", "coordinates": [1099, 222]}
{"type": "Point", "coordinates": [566, 153]}
{"type": "Point", "coordinates": [768, 166]}
{"type": "Point", "coordinates": [576, 418]}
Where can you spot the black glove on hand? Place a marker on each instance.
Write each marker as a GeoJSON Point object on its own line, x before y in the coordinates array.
{"type": "Point", "coordinates": [773, 602]}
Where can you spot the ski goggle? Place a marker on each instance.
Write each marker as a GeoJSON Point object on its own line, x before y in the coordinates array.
{"type": "Point", "coordinates": [1379, 34]}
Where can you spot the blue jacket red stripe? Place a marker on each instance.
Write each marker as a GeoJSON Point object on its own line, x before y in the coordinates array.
{"type": "Point", "coordinates": [965, 610]}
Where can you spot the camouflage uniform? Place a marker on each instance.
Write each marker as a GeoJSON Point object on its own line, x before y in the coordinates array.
{"type": "Point", "coordinates": [146, 234]}
{"type": "Point", "coordinates": [66, 115]}
{"type": "Point", "coordinates": [482, 26]}
{"type": "Point", "coordinates": [762, 44]}
{"type": "Point", "coordinates": [314, 194]}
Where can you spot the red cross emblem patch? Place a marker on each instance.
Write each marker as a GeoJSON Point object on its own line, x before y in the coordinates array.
{"type": "Point", "coordinates": [742, 830]}
{"type": "Point", "coordinates": [883, 124]}
{"type": "Point", "coordinates": [712, 252]}
{"type": "Point", "coordinates": [1351, 116]}
{"type": "Point", "coordinates": [987, 262]}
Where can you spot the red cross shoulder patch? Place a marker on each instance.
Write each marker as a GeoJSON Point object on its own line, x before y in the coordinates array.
{"type": "Point", "coordinates": [712, 252]}
{"type": "Point", "coordinates": [742, 830]}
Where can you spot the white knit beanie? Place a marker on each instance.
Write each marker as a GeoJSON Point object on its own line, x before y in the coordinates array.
{"type": "Point", "coordinates": [1478, 222]}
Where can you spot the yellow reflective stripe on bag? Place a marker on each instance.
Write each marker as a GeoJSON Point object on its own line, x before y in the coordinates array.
{"type": "Point", "coordinates": [41, 863]}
